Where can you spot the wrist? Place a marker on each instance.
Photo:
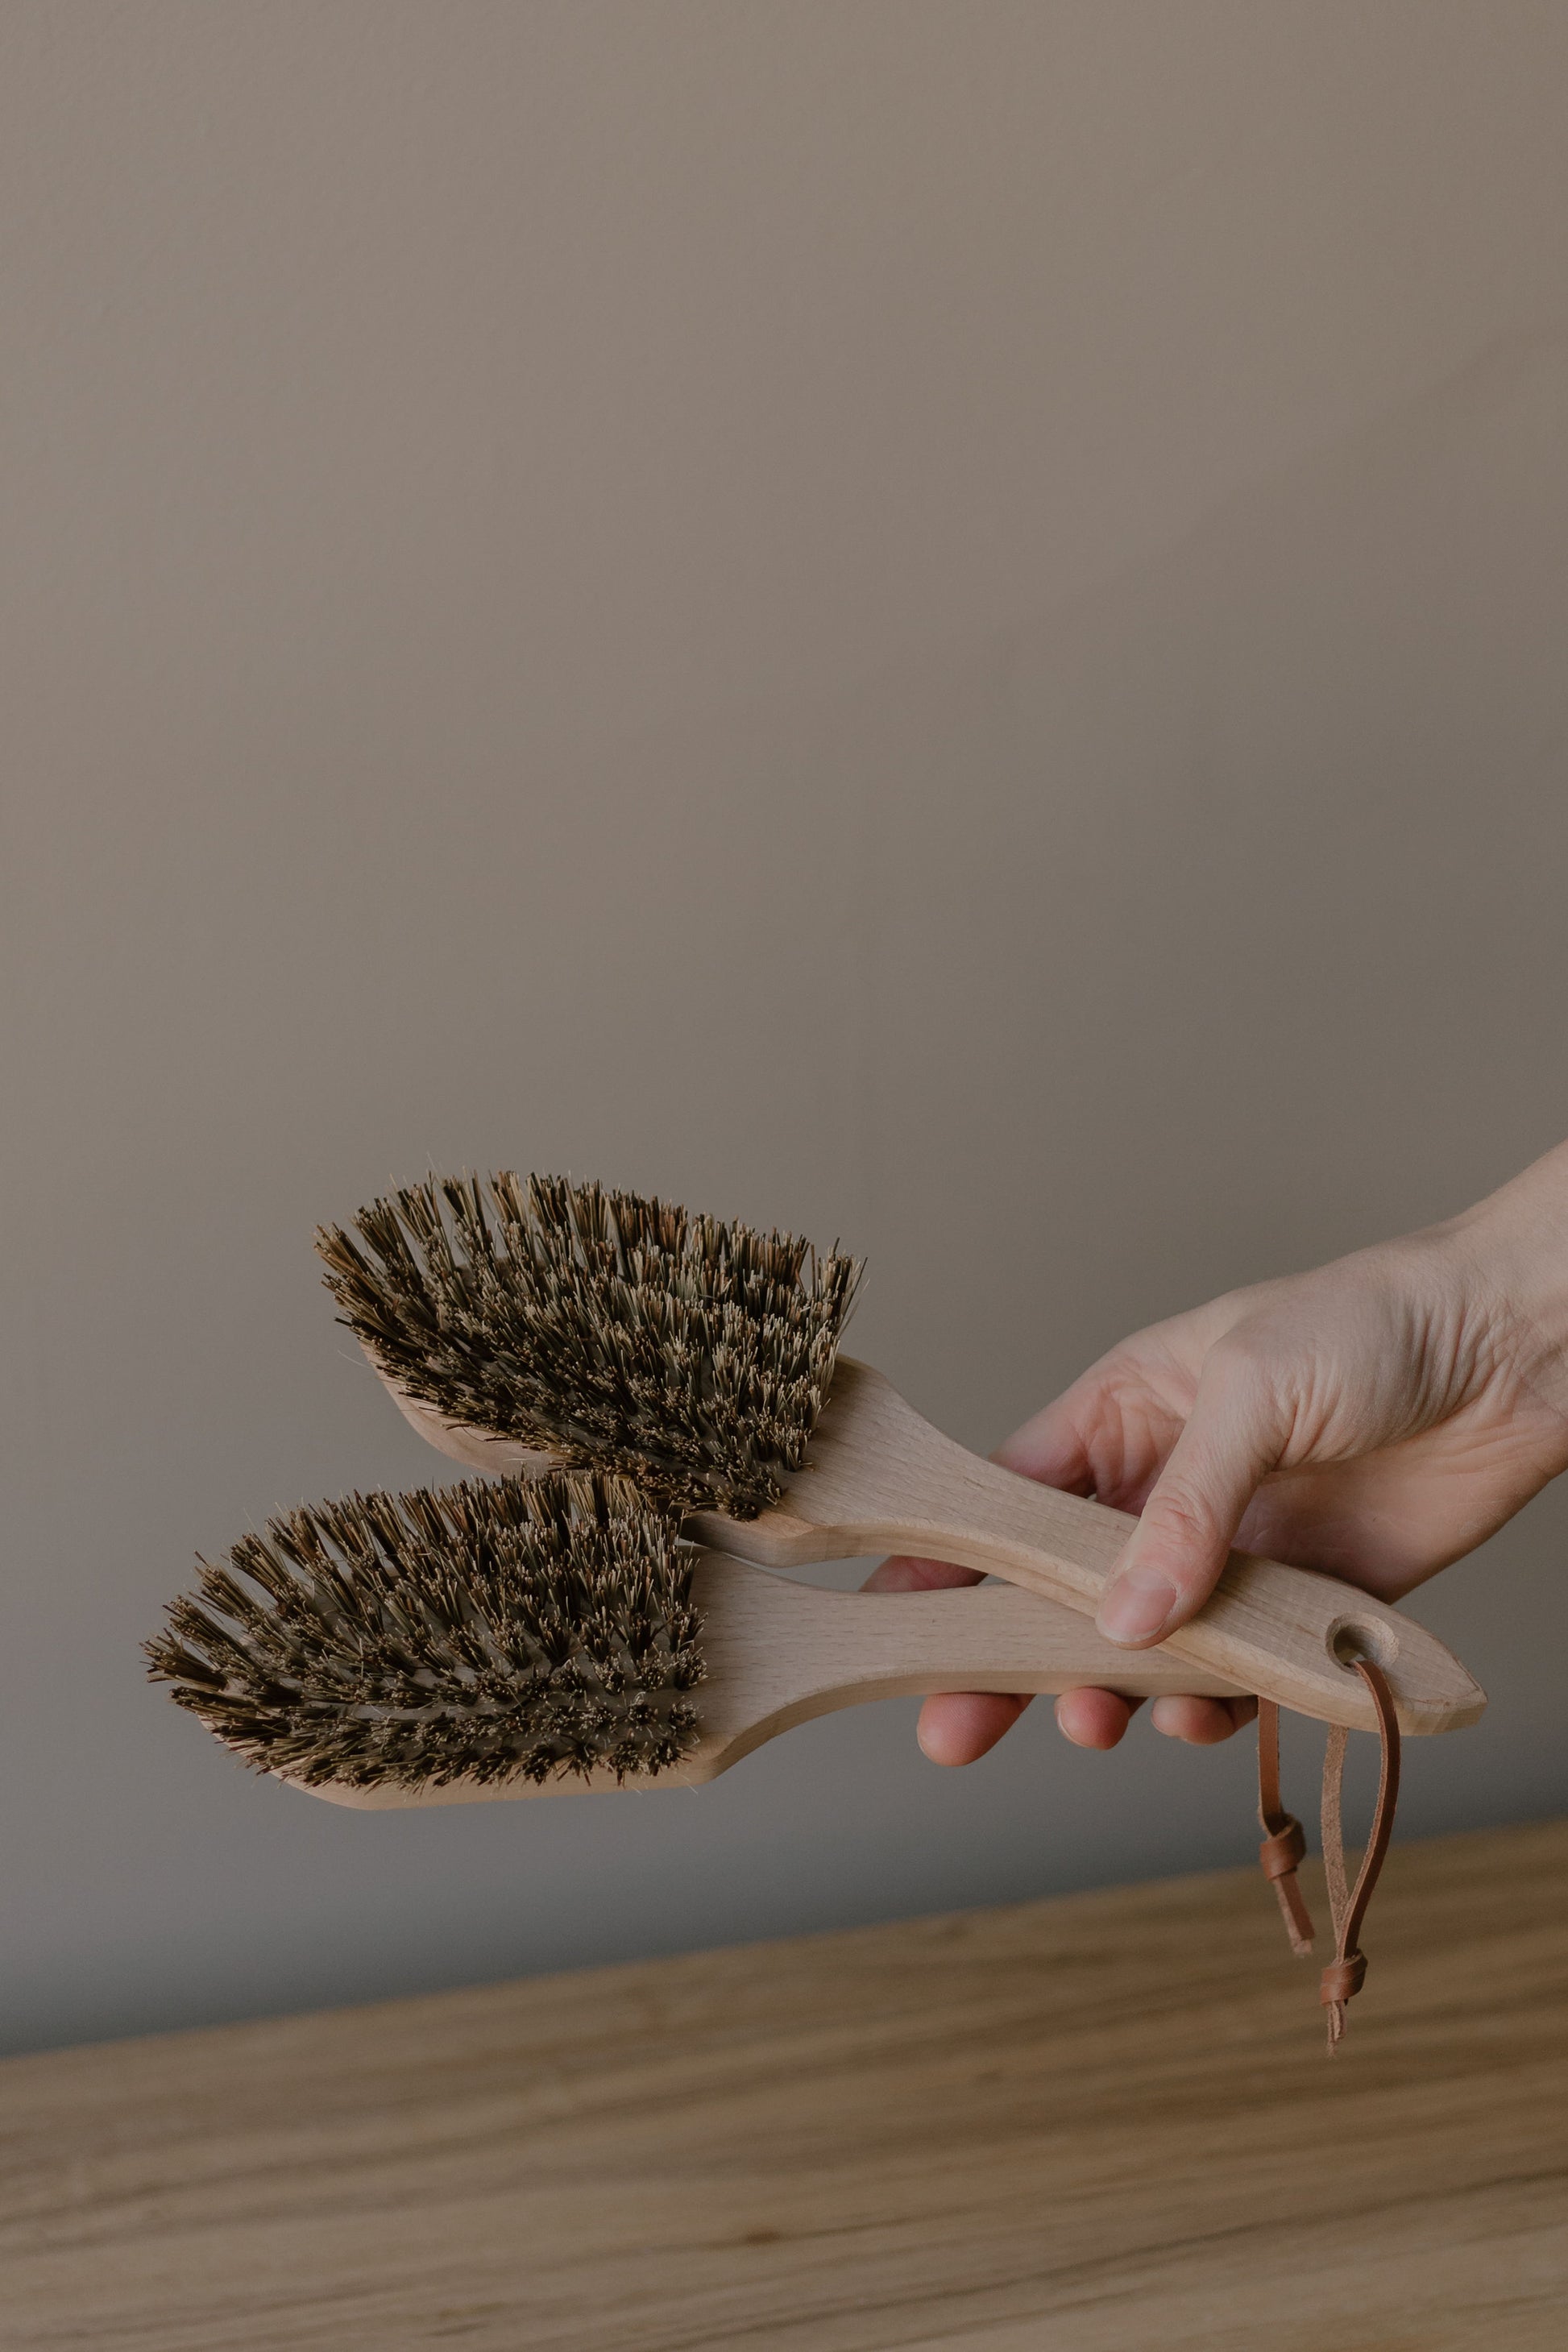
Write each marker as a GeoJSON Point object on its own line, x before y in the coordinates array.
{"type": "Point", "coordinates": [1512, 1252]}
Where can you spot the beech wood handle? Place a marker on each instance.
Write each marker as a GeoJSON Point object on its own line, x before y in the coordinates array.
{"type": "Point", "coordinates": [880, 1478]}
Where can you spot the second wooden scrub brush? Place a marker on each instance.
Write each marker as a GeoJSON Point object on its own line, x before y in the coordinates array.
{"type": "Point", "coordinates": [493, 1640]}
{"type": "Point", "coordinates": [524, 1321]}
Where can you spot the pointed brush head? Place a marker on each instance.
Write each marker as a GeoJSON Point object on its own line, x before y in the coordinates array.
{"type": "Point", "coordinates": [479, 1632]}
{"type": "Point", "coordinates": [606, 1329]}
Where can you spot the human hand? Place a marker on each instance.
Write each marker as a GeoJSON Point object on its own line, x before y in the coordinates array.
{"type": "Point", "coordinates": [1377, 1418]}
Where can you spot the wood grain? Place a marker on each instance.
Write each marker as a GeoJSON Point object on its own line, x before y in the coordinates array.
{"type": "Point", "coordinates": [1101, 2125]}
{"type": "Point", "coordinates": [878, 1478]}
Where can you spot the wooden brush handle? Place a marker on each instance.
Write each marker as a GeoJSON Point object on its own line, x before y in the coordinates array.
{"type": "Point", "coordinates": [880, 1478]}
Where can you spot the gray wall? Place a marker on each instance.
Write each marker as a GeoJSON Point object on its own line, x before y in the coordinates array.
{"type": "Point", "coordinates": [940, 623]}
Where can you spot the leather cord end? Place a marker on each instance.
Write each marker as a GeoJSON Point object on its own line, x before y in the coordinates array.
{"type": "Point", "coordinates": [1284, 1846]}
{"type": "Point", "coordinates": [1282, 1855]}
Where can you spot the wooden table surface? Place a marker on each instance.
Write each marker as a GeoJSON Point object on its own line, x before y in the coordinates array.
{"type": "Point", "coordinates": [1082, 2126]}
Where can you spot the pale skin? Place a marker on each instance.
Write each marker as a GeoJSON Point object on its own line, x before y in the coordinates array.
{"type": "Point", "coordinates": [1379, 1417]}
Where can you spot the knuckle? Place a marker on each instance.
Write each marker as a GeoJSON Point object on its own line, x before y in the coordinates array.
{"type": "Point", "coordinates": [1254, 1373]}
{"type": "Point", "coordinates": [1178, 1514]}
{"type": "Point", "coordinates": [1248, 1356]}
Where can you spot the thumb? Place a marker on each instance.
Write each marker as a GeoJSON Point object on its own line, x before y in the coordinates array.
{"type": "Point", "coordinates": [1234, 1436]}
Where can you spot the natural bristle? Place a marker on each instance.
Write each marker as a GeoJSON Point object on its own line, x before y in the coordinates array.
{"type": "Point", "coordinates": [480, 1632]}
{"type": "Point", "coordinates": [606, 1329]}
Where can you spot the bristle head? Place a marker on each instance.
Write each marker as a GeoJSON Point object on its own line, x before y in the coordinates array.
{"type": "Point", "coordinates": [528, 1628]}
{"type": "Point", "coordinates": [610, 1330]}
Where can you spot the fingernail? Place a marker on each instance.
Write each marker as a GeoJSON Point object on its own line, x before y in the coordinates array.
{"type": "Point", "coordinates": [1136, 1605]}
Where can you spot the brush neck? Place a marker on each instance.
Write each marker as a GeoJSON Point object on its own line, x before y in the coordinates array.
{"type": "Point", "coordinates": [778, 1651]}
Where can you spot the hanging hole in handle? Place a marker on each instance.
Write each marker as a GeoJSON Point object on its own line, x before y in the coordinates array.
{"type": "Point", "coordinates": [1351, 1638]}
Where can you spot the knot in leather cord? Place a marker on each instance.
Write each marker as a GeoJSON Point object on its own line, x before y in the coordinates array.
{"type": "Point", "coordinates": [1343, 1978]}
{"type": "Point", "coordinates": [1285, 1851]}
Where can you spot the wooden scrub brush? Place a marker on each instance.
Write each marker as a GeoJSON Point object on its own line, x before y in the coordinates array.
{"type": "Point", "coordinates": [492, 1640]}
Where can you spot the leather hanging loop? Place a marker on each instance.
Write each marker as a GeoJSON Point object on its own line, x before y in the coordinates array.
{"type": "Point", "coordinates": [1345, 1972]}
{"type": "Point", "coordinates": [1284, 1844]}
